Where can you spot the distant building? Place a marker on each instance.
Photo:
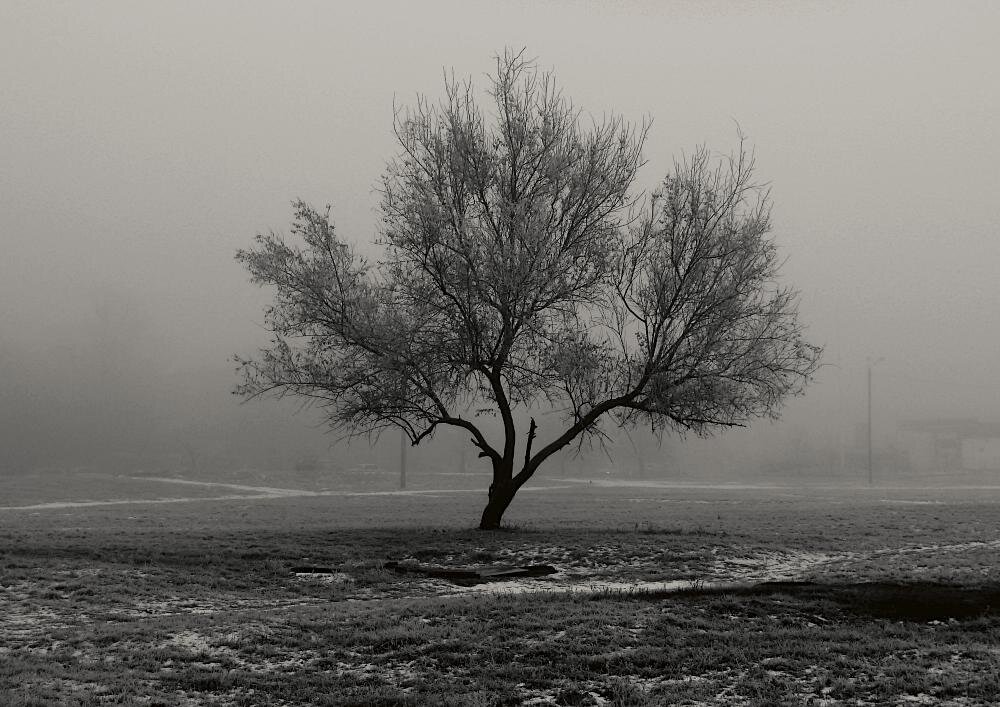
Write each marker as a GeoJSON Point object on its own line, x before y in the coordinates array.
{"type": "Point", "coordinates": [950, 444]}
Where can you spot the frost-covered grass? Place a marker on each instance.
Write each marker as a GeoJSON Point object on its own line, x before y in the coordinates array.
{"type": "Point", "coordinates": [195, 603]}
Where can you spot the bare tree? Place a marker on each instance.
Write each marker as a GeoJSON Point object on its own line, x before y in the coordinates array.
{"type": "Point", "coordinates": [519, 271]}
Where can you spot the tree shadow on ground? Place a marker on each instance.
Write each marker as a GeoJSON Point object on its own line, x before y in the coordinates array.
{"type": "Point", "coordinates": [896, 601]}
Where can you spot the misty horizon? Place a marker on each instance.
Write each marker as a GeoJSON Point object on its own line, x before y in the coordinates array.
{"type": "Point", "coordinates": [142, 150]}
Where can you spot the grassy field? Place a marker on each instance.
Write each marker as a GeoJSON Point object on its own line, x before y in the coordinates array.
{"type": "Point", "coordinates": [795, 596]}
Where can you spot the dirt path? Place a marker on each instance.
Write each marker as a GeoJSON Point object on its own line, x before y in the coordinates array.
{"type": "Point", "coordinates": [259, 490]}
{"type": "Point", "coordinates": [252, 493]}
{"type": "Point", "coordinates": [134, 502]}
{"type": "Point", "coordinates": [732, 486]}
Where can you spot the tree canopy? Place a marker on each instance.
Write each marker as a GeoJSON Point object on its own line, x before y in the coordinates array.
{"type": "Point", "coordinates": [521, 270]}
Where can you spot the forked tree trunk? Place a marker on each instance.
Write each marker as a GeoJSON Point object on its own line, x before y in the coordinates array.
{"type": "Point", "coordinates": [501, 494]}
{"type": "Point", "coordinates": [505, 484]}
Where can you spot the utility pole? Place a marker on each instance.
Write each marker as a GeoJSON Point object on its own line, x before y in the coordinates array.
{"type": "Point", "coordinates": [402, 459]}
{"type": "Point", "coordinates": [871, 364]}
{"type": "Point", "coordinates": [869, 423]}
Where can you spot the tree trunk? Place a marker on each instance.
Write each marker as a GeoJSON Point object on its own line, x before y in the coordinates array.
{"type": "Point", "coordinates": [501, 494]}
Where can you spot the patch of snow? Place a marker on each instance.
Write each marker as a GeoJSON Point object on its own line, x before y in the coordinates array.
{"type": "Point", "coordinates": [725, 573]}
{"type": "Point", "coordinates": [592, 587]}
{"type": "Point", "coordinates": [328, 577]}
{"type": "Point", "coordinates": [191, 641]}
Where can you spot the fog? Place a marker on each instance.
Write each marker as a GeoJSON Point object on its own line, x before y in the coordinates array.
{"type": "Point", "coordinates": [142, 144]}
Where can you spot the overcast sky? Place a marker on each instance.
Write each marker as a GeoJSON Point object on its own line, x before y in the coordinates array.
{"type": "Point", "coordinates": [142, 144]}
